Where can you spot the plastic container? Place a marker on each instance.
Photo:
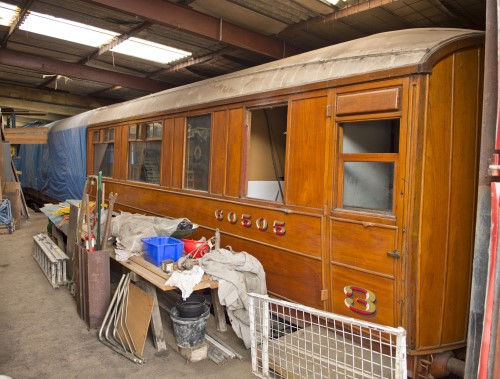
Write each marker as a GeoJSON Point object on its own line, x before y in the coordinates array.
{"type": "Point", "coordinates": [189, 332]}
{"type": "Point", "coordinates": [158, 249]}
{"type": "Point", "coordinates": [192, 307]}
{"type": "Point", "coordinates": [196, 249]}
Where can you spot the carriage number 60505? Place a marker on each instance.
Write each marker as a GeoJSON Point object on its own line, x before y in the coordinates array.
{"type": "Point", "coordinates": [246, 221]}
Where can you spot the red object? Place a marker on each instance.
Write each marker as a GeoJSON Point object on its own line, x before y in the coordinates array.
{"type": "Point", "coordinates": [483, 370]}
{"type": "Point", "coordinates": [196, 249]}
{"type": "Point", "coordinates": [90, 244]}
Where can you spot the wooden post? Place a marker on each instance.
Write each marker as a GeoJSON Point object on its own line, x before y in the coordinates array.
{"type": "Point", "coordinates": [220, 317]}
{"type": "Point", "coordinates": [71, 238]}
{"type": "Point", "coordinates": [13, 193]}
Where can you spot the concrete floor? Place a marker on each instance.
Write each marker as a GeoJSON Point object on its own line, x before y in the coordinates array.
{"type": "Point", "coordinates": [42, 336]}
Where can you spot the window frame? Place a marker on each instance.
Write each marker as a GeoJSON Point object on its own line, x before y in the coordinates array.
{"type": "Point", "coordinates": [103, 138]}
{"type": "Point", "coordinates": [143, 137]}
{"type": "Point", "coordinates": [210, 115]}
{"type": "Point", "coordinates": [278, 103]}
{"type": "Point", "coordinates": [394, 158]}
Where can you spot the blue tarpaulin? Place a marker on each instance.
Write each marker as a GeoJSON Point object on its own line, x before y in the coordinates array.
{"type": "Point", "coordinates": [57, 169]}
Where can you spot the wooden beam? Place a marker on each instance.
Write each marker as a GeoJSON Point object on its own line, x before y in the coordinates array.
{"type": "Point", "coordinates": [26, 135]}
{"type": "Point", "coordinates": [39, 106]}
{"type": "Point", "coordinates": [73, 70]}
{"type": "Point", "coordinates": [51, 97]}
{"type": "Point", "coordinates": [188, 20]}
{"type": "Point", "coordinates": [21, 121]}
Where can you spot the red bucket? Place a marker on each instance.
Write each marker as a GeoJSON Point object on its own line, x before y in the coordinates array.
{"type": "Point", "coordinates": [196, 249]}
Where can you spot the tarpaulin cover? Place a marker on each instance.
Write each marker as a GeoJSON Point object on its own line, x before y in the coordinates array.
{"type": "Point", "coordinates": [58, 169]}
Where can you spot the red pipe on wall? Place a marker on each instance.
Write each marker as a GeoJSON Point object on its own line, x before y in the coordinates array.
{"type": "Point", "coordinates": [490, 287]}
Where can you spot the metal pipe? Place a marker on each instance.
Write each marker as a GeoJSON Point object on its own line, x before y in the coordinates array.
{"type": "Point", "coordinates": [98, 199]}
{"type": "Point", "coordinates": [456, 367]}
{"type": "Point", "coordinates": [483, 217]}
{"type": "Point", "coordinates": [222, 346]}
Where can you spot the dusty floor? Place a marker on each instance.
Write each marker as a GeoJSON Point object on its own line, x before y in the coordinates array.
{"type": "Point", "coordinates": [42, 336]}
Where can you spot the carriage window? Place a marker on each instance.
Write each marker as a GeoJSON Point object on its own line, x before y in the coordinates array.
{"type": "Point", "coordinates": [266, 155]}
{"type": "Point", "coordinates": [104, 147]}
{"type": "Point", "coordinates": [197, 160]}
{"type": "Point", "coordinates": [145, 152]}
{"type": "Point", "coordinates": [369, 155]}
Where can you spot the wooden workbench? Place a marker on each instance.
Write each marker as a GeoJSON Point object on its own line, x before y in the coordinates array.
{"type": "Point", "coordinates": [152, 276]}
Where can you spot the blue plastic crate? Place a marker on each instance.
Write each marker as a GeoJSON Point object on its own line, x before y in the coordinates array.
{"type": "Point", "coordinates": [158, 249]}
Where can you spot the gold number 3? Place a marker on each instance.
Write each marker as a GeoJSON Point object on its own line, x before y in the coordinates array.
{"type": "Point", "coordinates": [367, 301]}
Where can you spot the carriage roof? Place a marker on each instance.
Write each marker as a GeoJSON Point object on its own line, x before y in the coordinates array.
{"type": "Point", "coordinates": [410, 48]}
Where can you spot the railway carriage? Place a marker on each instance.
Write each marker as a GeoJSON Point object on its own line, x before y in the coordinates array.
{"type": "Point", "coordinates": [350, 172]}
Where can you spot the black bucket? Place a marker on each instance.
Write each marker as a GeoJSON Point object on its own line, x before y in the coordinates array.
{"type": "Point", "coordinates": [189, 332]}
{"type": "Point", "coordinates": [192, 307]}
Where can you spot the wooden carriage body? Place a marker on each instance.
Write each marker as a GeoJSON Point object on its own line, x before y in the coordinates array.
{"type": "Point", "coordinates": [350, 172]}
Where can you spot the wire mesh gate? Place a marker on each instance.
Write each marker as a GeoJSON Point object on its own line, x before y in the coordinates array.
{"type": "Point", "coordinates": [294, 341]}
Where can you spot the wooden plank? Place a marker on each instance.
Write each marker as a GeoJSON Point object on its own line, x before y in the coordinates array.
{"type": "Point", "coordinates": [465, 146]}
{"type": "Point", "coordinates": [142, 262]}
{"type": "Point", "coordinates": [218, 160]}
{"type": "Point", "coordinates": [70, 241]}
{"type": "Point", "coordinates": [134, 322]}
{"type": "Point", "coordinates": [206, 280]}
{"type": "Point", "coordinates": [144, 273]}
{"type": "Point", "coordinates": [12, 190]}
{"type": "Point", "coordinates": [436, 191]}
{"type": "Point", "coordinates": [27, 135]}
{"type": "Point", "coordinates": [159, 272]}
{"type": "Point", "coordinates": [220, 317]}
{"type": "Point", "coordinates": [234, 158]}
{"type": "Point", "coordinates": [3, 173]}
{"type": "Point", "coordinates": [178, 137]}
{"type": "Point", "coordinates": [382, 100]}
{"type": "Point", "coordinates": [306, 153]}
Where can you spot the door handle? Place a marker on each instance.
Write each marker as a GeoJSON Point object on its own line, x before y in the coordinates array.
{"type": "Point", "coordinates": [395, 254]}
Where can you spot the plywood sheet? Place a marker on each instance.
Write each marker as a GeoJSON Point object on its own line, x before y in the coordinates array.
{"type": "Point", "coordinates": [134, 322]}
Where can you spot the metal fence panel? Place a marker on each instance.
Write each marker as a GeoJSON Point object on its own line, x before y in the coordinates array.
{"type": "Point", "coordinates": [294, 341]}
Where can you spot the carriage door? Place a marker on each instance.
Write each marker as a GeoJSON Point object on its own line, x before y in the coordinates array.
{"type": "Point", "coordinates": [365, 252]}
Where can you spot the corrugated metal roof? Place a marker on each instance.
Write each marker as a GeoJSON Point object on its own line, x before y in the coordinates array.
{"type": "Point", "coordinates": [209, 30]}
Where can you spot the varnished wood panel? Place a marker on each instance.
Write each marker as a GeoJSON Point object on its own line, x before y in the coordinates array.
{"type": "Point", "coordinates": [167, 152]}
{"type": "Point", "coordinates": [382, 288]}
{"type": "Point", "coordinates": [363, 245]}
{"type": "Point", "coordinates": [178, 152]}
{"type": "Point", "coordinates": [463, 194]}
{"type": "Point", "coordinates": [121, 152]}
{"type": "Point", "coordinates": [235, 151]}
{"type": "Point", "coordinates": [304, 181]}
{"type": "Point", "coordinates": [29, 135]}
{"type": "Point", "coordinates": [302, 233]}
{"type": "Point", "coordinates": [218, 153]}
{"type": "Point", "coordinates": [288, 275]}
{"type": "Point", "coordinates": [435, 206]}
{"type": "Point", "coordinates": [382, 100]}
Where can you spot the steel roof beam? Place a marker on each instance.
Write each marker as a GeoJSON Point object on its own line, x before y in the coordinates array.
{"type": "Point", "coordinates": [188, 20]}
{"type": "Point", "coordinates": [339, 14]}
{"type": "Point", "coordinates": [19, 19]}
{"type": "Point", "coordinates": [74, 70]}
